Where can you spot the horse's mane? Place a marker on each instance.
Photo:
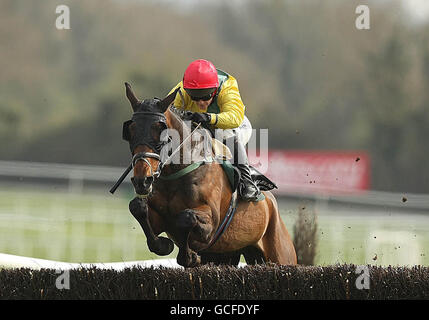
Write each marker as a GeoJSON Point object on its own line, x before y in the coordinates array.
{"type": "Point", "coordinates": [177, 112]}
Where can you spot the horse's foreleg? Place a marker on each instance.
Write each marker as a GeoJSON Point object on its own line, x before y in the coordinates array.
{"type": "Point", "coordinates": [253, 255]}
{"type": "Point", "coordinates": [186, 221]}
{"type": "Point", "coordinates": [160, 245]}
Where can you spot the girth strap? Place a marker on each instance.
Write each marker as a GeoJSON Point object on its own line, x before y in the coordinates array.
{"type": "Point", "coordinates": [226, 221]}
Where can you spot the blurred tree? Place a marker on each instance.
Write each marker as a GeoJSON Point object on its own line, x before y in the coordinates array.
{"type": "Point", "coordinates": [396, 118]}
{"type": "Point", "coordinates": [304, 71]}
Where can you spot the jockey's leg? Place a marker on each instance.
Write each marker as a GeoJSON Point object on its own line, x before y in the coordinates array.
{"type": "Point", "coordinates": [249, 191]}
{"type": "Point", "coordinates": [236, 139]}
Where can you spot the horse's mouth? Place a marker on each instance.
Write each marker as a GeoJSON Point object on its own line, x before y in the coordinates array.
{"type": "Point", "coordinates": [143, 193]}
{"type": "Point", "coordinates": [142, 187]}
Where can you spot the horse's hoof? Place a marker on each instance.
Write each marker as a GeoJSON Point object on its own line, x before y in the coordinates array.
{"type": "Point", "coordinates": [162, 246]}
{"type": "Point", "coordinates": [189, 260]}
{"type": "Point", "coordinates": [196, 260]}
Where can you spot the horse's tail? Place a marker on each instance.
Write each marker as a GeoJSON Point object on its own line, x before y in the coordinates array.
{"type": "Point", "coordinates": [305, 236]}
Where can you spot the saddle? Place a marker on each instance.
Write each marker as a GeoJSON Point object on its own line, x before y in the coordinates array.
{"type": "Point", "coordinates": [222, 154]}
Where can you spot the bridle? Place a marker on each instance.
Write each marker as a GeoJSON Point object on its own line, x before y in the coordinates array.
{"type": "Point", "coordinates": [144, 121]}
{"type": "Point", "coordinates": [143, 137]}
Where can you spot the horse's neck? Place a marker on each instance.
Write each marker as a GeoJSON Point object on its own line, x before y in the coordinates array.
{"type": "Point", "coordinates": [192, 145]}
{"type": "Point", "coordinates": [175, 122]}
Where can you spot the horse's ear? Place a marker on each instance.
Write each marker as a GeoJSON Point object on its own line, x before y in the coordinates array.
{"type": "Point", "coordinates": [132, 97]}
{"type": "Point", "coordinates": [165, 103]}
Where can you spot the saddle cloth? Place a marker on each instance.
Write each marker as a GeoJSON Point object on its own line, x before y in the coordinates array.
{"type": "Point", "coordinates": [220, 150]}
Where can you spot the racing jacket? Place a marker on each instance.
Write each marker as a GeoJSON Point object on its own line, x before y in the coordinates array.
{"type": "Point", "coordinates": [227, 108]}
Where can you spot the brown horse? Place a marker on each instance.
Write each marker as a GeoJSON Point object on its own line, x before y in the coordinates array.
{"type": "Point", "coordinates": [191, 208]}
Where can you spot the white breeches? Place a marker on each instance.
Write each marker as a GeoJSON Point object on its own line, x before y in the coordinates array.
{"type": "Point", "coordinates": [243, 132]}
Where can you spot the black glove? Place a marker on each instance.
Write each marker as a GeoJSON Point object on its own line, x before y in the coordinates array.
{"type": "Point", "coordinates": [200, 117]}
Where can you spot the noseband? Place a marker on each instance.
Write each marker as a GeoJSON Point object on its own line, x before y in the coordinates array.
{"type": "Point", "coordinates": [143, 156]}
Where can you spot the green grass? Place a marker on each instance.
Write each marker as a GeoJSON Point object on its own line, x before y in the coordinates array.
{"type": "Point", "coordinates": [99, 228]}
{"type": "Point", "coordinates": [67, 227]}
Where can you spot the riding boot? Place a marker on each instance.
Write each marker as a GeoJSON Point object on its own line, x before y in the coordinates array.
{"type": "Point", "coordinates": [249, 191]}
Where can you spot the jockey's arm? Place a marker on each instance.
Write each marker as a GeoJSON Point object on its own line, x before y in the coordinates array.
{"type": "Point", "coordinates": [231, 107]}
{"type": "Point", "coordinates": [178, 103]}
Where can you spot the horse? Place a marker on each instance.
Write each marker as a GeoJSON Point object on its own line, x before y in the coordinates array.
{"type": "Point", "coordinates": [191, 208]}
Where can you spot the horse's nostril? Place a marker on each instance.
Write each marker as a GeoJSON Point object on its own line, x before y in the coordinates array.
{"type": "Point", "coordinates": [148, 182]}
{"type": "Point", "coordinates": [137, 181]}
{"type": "Point", "coordinates": [142, 185]}
{"type": "Point", "coordinates": [134, 181]}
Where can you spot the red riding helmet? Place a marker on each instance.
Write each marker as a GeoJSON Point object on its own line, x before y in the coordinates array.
{"type": "Point", "coordinates": [200, 74]}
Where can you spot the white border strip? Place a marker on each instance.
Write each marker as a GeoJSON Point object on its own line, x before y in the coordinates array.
{"type": "Point", "coordinates": [8, 261]}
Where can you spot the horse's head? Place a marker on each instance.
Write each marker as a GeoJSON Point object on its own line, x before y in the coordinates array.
{"type": "Point", "coordinates": [143, 132]}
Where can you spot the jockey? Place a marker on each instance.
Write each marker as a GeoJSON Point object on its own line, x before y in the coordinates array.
{"type": "Point", "coordinates": [211, 97]}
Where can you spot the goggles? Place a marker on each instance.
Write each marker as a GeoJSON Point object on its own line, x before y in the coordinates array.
{"type": "Point", "coordinates": [205, 98]}
{"type": "Point", "coordinates": [201, 94]}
